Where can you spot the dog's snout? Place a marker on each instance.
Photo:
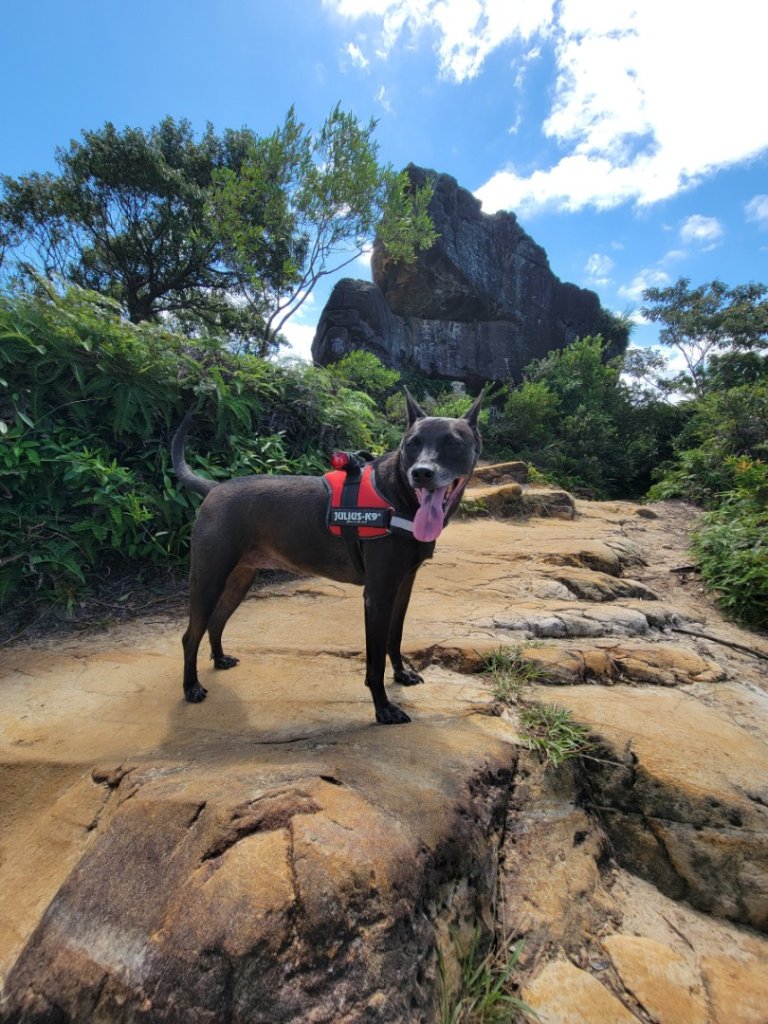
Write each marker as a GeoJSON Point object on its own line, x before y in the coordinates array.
{"type": "Point", "coordinates": [422, 476]}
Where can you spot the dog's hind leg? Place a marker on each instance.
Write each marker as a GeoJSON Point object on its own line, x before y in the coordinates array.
{"type": "Point", "coordinates": [206, 586]}
{"type": "Point", "coordinates": [200, 609]}
{"type": "Point", "coordinates": [403, 675]}
{"type": "Point", "coordinates": [238, 584]}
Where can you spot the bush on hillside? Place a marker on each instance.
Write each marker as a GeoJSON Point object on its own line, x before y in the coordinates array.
{"type": "Point", "coordinates": [722, 428]}
{"type": "Point", "coordinates": [90, 403]}
{"type": "Point", "coordinates": [575, 419]}
{"type": "Point", "coordinates": [731, 544]}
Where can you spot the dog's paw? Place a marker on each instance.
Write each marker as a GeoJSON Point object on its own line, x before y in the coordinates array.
{"type": "Point", "coordinates": [407, 677]}
{"type": "Point", "coordinates": [195, 694]}
{"type": "Point", "coordinates": [391, 715]}
{"type": "Point", "coordinates": [225, 661]}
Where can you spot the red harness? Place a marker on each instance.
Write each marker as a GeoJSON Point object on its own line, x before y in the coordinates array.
{"type": "Point", "coordinates": [356, 503]}
{"type": "Point", "coordinates": [358, 511]}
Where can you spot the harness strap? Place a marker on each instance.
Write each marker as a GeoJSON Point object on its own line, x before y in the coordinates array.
{"type": "Point", "coordinates": [399, 523]}
{"type": "Point", "coordinates": [349, 533]}
{"type": "Point", "coordinates": [356, 503]}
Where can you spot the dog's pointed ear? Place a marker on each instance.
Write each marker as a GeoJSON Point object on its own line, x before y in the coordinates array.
{"type": "Point", "coordinates": [414, 411]}
{"type": "Point", "coordinates": [474, 411]}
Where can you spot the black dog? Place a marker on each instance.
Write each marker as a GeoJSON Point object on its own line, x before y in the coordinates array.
{"type": "Point", "coordinates": [281, 522]}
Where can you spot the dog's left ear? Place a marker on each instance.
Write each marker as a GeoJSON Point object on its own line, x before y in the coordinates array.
{"type": "Point", "coordinates": [414, 411]}
{"type": "Point", "coordinates": [474, 411]}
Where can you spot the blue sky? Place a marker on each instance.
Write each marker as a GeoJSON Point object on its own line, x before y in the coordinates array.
{"type": "Point", "coordinates": [629, 136]}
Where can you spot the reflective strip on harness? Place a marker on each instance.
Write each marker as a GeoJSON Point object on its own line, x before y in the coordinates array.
{"type": "Point", "coordinates": [356, 503]}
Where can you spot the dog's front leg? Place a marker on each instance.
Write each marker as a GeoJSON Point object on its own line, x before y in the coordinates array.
{"type": "Point", "coordinates": [379, 601]}
{"type": "Point", "coordinates": [404, 676]}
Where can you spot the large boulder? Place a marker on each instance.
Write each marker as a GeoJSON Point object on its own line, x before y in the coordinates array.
{"type": "Point", "coordinates": [478, 305]}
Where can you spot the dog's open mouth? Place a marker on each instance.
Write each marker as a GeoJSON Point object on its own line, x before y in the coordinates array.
{"type": "Point", "coordinates": [434, 506]}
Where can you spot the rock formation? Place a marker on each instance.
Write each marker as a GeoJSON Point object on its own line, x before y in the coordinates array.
{"type": "Point", "coordinates": [274, 856]}
{"type": "Point", "coordinates": [479, 305]}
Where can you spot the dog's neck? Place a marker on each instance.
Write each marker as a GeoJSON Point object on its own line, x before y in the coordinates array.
{"type": "Point", "coordinates": [393, 480]}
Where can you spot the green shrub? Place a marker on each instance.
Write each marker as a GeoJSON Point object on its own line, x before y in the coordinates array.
{"type": "Point", "coordinates": [529, 418]}
{"type": "Point", "coordinates": [731, 544]}
{"type": "Point", "coordinates": [721, 428]}
{"type": "Point", "coordinates": [576, 419]}
{"type": "Point", "coordinates": [89, 406]}
{"type": "Point", "coordinates": [698, 475]}
{"type": "Point", "coordinates": [363, 371]}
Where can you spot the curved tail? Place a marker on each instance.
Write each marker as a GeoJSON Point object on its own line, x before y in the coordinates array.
{"type": "Point", "coordinates": [196, 483]}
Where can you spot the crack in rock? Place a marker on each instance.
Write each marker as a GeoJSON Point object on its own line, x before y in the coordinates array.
{"type": "Point", "coordinates": [266, 814]}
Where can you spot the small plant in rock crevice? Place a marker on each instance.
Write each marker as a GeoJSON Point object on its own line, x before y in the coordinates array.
{"type": "Point", "coordinates": [509, 672]}
{"type": "Point", "coordinates": [472, 508]}
{"type": "Point", "coordinates": [551, 731]}
{"type": "Point", "coordinates": [546, 728]}
{"type": "Point", "coordinates": [487, 993]}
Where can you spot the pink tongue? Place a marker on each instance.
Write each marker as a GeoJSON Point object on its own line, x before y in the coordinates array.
{"type": "Point", "coordinates": [428, 521]}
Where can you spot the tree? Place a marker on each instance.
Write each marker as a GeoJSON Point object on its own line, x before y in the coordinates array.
{"type": "Point", "coordinates": [301, 207]}
{"type": "Point", "coordinates": [704, 321]}
{"type": "Point", "coordinates": [125, 216]}
{"type": "Point", "coordinates": [227, 232]}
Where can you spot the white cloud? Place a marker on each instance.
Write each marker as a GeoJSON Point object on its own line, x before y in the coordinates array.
{"type": "Point", "coordinates": [648, 98]}
{"type": "Point", "coordinates": [300, 338]}
{"type": "Point", "coordinates": [649, 278]}
{"type": "Point", "coordinates": [514, 128]}
{"type": "Point", "coordinates": [703, 231]}
{"type": "Point", "coordinates": [523, 65]}
{"type": "Point", "coordinates": [467, 30]}
{"type": "Point", "coordinates": [636, 102]}
{"type": "Point", "coordinates": [598, 268]}
{"type": "Point", "coordinates": [674, 256]}
{"type": "Point", "coordinates": [356, 55]}
{"type": "Point", "coordinates": [757, 210]}
{"type": "Point", "coordinates": [382, 97]}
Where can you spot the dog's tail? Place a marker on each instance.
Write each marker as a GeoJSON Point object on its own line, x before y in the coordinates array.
{"type": "Point", "coordinates": [196, 483]}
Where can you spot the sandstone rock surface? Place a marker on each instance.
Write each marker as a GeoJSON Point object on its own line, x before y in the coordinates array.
{"type": "Point", "coordinates": [272, 855]}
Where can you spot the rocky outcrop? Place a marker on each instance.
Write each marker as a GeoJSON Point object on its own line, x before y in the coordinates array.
{"type": "Point", "coordinates": [303, 896]}
{"type": "Point", "coordinates": [272, 855]}
{"type": "Point", "coordinates": [477, 306]}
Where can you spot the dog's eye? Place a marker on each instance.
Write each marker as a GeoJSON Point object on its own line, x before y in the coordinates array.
{"type": "Point", "coordinates": [455, 442]}
{"type": "Point", "coordinates": [412, 444]}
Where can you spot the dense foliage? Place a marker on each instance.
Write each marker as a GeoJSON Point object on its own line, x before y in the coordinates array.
{"type": "Point", "coordinates": [580, 424]}
{"type": "Point", "coordinates": [721, 463]}
{"type": "Point", "coordinates": [731, 543]}
{"type": "Point", "coordinates": [226, 232]}
{"type": "Point", "coordinates": [90, 400]}
{"type": "Point", "coordinates": [89, 404]}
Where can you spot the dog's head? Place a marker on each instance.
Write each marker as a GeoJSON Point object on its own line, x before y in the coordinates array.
{"type": "Point", "coordinates": [437, 456]}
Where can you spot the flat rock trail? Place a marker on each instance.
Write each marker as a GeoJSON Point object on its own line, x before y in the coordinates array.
{"type": "Point", "coordinates": [273, 855]}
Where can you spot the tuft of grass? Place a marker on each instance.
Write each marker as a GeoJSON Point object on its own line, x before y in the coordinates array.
{"type": "Point", "coordinates": [487, 992]}
{"type": "Point", "coordinates": [472, 508]}
{"type": "Point", "coordinates": [509, 672]}
{"type": "Point", "coordinates": [552, 732]}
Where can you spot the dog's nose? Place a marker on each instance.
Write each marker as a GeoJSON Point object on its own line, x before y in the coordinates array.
{"type": "Point", "coordinates": [422, 476]}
